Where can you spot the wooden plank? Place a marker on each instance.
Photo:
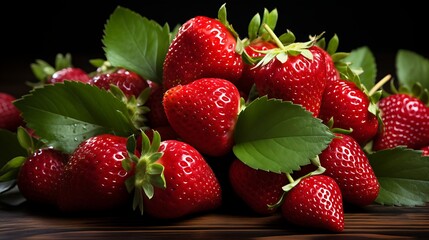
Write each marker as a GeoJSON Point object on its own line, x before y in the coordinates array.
{"type": "Point", "coordinates": [374, 221]}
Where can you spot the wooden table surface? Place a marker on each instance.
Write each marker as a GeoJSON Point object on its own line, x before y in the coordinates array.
{"type": "Point", "coordinates": [374, 222]}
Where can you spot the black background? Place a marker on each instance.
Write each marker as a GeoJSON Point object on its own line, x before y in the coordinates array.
{"type": "Point", "coordinates": [39, 30]}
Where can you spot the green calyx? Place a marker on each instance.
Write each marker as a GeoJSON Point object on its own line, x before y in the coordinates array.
{"type": "Point", "coordinates": [294, 182]}
{"type": "Point", "coordinates": [256, 26]}
{"type": "Point", "coordinates": [43, 70]}
{"type": "Point", "coordinates": [147, 173]}
{"type": "Point", "coordinates": [284, 50]}
{"type": "Point", "coordinates": [417, 91]}
{"type": "Point", "coordinates": [135, 106]}
{"type": "Point", "coordinates": [222, 17]}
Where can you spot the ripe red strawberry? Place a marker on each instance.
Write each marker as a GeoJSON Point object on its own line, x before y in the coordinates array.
{"type": "Point", "coordinates": [203, 48]}
{"type": "Point", "coordinates": [257, 188]}
{"type": "Point", "coordinates": [39, 177]}
{"type": "Point", "coordinates": [10, 116]}
{"type": "Point", "coordinates": [191, 185]}
{"type": "Point", "coordinates": [204, 113]}
{"type": "Point", "coordinates": [94, 179]}
{"type": "Point", "coordinates": [129, 82]}
{"type": "Point", "coordinates": [316, 202]}
{"type": "Point", "coordinates": [247, 80]}
{"type": "Point", "coordinates": [63, 70]}
{"type": "Point", "coordinates": [300, 79]}
{"type": "Point", "coordinates": [349, 106]}
{"type": "Point", "coordinates": [405, 122]}
{"type": "Point", "coordinates": [346, 162]}
{"type": "Point", "coordinates": [69, 73]}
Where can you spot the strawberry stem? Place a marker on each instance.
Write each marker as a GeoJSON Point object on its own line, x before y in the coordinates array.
{"type": "Point", "coordinates": [274, 37]}
{"type": "Point", "coordinates": [379, 84]}
{"type": "Point", "coordinates": [289, 177]}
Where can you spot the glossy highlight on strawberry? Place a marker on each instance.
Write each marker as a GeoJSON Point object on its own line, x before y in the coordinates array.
{"type": "Point", "coordinates": [348, 106]}
{"type": "Point", "coordinates": [94, 179]}
{"type": "Point", "coordinates": [346, 162]}
{"type": "Point", "coordinates": [315, 202]}
{"type": "Point", "coordinates": [299, 79]}
{"type": "Point", "coordinates": [204, 113]}
{"type": "Point", "coordinates": [405, 122]}
{"type": "Point", "coordinates": [202, 48]}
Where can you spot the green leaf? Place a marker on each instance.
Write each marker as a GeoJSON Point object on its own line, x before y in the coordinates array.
{"type": "Point", "coordinates": [278, 136]}
{"type": "Point", "coordinates": [412, 68]}
{"type": "Point", "coordinates": [362, 58]}
{"type": "Point", "coordinates": [403, 176]}
{"type": "Point", "coordinates": [65, 114]}
{"type": "Point", "coordinates": [13, 149]}
{"type": "Point", "coordinates": [136, 43]}
{"type": "Point", "coordinates": [10, 170]}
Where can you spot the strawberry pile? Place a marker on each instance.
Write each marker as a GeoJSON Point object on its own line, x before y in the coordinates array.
{"type": "Point", "coordinates": [298, 128]}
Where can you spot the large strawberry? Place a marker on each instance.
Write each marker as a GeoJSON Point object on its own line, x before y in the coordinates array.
{"type": "Point", "coordinates": [316, 202]}
{"type": "Point", "coordinates": [204, 113]}
{"type": "Point", "coordinates": [172, 179]}
{"type": "Point", "coordinates": [257, 188]}
{"type": "Point", "coordinates": [350, 107]}
{"type": "Point", "coordinates": [346, 162]}
{"type": "Point", "coordinates": [39, 177]}
{"type": "Point", "coordinates": [297, 74]}
{"type": "Point", "coordinates": [94, 179]}
{"type": "Point", "coordinates": [203, 47]}
{"type": "Point", "coordinates": [405, 122]}
{"type": "Point", "coordinates": [10, 116]}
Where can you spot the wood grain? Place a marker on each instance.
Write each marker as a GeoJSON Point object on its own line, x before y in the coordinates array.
{"type": "Point", "coordinates": [374, 222]}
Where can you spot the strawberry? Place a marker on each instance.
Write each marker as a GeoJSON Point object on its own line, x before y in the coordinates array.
{"type": "Point", "coordinates": [257, 188]}
{"type": "Point", "coordinates": [204, 113]}
{"type": "Point", "coordinates": [39, 177]}
{"type": "Point", "coordinates": [315, 202]}
{"type": "Point", "coordinates": [330, 53]}
{"type": "Point", "coordinates": [257, 42]}
{"type": "Point", "coordinates": [172, 179]}
{"type": "Point", "coordinates": [69, 73]}
{"type": "Point", "coordinates": [63, 70]}
{"type": "Point", "coordinates": [254, 50]}
{"type": "Point", "coordinates": [301, 78]}
{"type": "Point", "coordinates": [346, 162]}
{"type": "Point", "coordinates": [405, 122]}
{"type": "Point", "coordinates": [129, 82]}
{"type": "Point", "coordinates": [204, 47]}
{"type": "Point", "coordinates": [94, 179]}
{"type": "Point", "coordinates": [349, 107]}
{"type": "Point", "coordinates": [10, 116]}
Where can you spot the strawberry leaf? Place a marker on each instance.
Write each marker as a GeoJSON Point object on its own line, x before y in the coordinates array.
{"type": "Point", "coordinates": [136, 43]}
{"type": "Point", "coordinates": [362, 58]}
{"type": "Point", "coordinates": [278, 136]}
{"type": "Point", "coordinates": [403, 176]}
{"type": "Point", "coordinates": [412, 68]}
{"type": "Point", "coordinates": [65, 114]}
